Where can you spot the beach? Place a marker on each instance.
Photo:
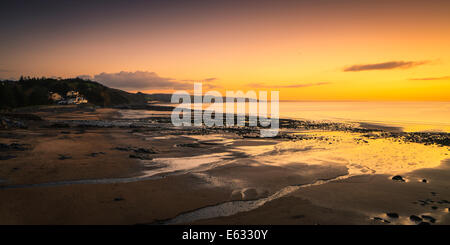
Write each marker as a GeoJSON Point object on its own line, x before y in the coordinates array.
{"type": "Point", "coordinates": [92, 165]}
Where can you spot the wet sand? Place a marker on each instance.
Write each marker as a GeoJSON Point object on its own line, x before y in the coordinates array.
{"type": "Point", "coordinates": [112, 166]}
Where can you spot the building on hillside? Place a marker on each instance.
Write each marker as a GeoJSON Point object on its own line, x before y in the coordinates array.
{"type": "Point", "coordinates": [72, 98]}
{"type": "Point", "coordinates": [77, 100]}
{"type": "Point", "coordinates": [72, 94]}
{"type": "Point", "coordinates": [55, 97]}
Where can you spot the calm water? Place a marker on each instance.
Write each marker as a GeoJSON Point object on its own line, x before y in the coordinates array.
{"type": "Point", "coordinates": [411, 116]}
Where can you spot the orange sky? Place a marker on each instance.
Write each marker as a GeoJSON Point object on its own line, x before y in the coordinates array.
{"type": "Point", "coordinates": [298, 48]}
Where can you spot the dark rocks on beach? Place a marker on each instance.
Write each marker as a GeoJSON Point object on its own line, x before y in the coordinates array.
{"type": "Point", "coordinates": [22, 116]}
{"type": "Point", "coordinates": [141, 156]}
{"type": "Point", "coordinates": [415, 218]}
{"type": "Point", "coordinates": [392, 215]}
{"type": "Point", "coordinates": [193, 145]}
{"type": "Point", "coordinates": [378, 218]}
{"type": "Point", "coordinates": [443, 201]}
{"type": "Point", "coordinates": [300, 216]}
{"type": "Point", "coordinates": [424, 223]}
{"type": "Point", "coordinates": [64, 157]}
{"type": "Point", "coordinates": [7, 123]}
{"type": "Point", "coordinates": [143, 150]}
{"type": "Point", "coordinates": [11, 135]}
{"type": "Point", "coordinates": [13, 147]}
{"type": "Point", "coordinates": [7, 157]}
{"type": "Point", "coordinates": [136, 150]}
{"type": "Point", "coordinates": [381, 220]}
{"type": "Point", "coordinates": [122, 148]}
{"type": "Point", "coordinates": [94, 154]}
{"type": "Point", "coordinates": [398, 178]}
{"type": "Point", "coordinates": [429, 218]}
{"type": "Point", "coordinates": [423, 203]}
{"type": "Point", "coordinates": [59, 125]}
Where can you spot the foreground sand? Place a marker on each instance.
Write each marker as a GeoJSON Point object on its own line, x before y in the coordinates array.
{"type": "Point", "coordinates": [68, 171]}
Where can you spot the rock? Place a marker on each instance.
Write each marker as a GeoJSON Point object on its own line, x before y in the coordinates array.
{"type": "Point", "coordinates": [392, 215]}
{"type": "Point", "coordinates": [7, 123]}
{"type": "Point", "coordinates": [424, 223]}
{"type": "Point", "coordinates": [398, 178]}
{"type": "Point", "coordinates": [136, 150]}
{"type": "Point", "coordinates": [429, 218]}
{"type": "Point", "coordinates": [64, 157]}
{"type": "Point", "coordinates": [6, 157]}
{"type": "Point", "coordinates": [381, 219]}
{"type": "Point", "coordinates": [13, 147]}
{"type": "Point", "coordinates": [143, 150]}
{"type": "Point", "coordinates": [94, 154]}
{"type": "Point", "coordinates": [59, 125]}
{"type": "Point", "coordinates": [122, 148]}
{"type": "Point", "coordinates": [415, 218]}
{"type": "Point", "coordinates": [193, 145]}
{"type": "Point", "coordinates": [300, 216]}
{"type": "Point", "coordinates": [141, 156]}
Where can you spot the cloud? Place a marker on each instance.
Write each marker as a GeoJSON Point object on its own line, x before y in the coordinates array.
{"type": "Point", "coordinates": [297, 85]}
{"type": "Point", "coordinates": [207, 83]}
{"type": "Point", "coordinates": [385, 65]}
{"type": "Point", "coordinates": [138, 80]}
{"type": "Point", "coordinates": [210, 79]}
{"type": "Point", "coordinates": [430, 78]}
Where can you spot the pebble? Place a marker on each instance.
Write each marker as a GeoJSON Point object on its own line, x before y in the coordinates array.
{"type": "Point", "coordinates": [63, 157]}
{"type": "Point", "coordinates": [398, 178]}
{"type": "Point", "coordinates": [392, 215]}
{"type": "Point", "coordinates": [424, 223]}
{"type": "Point", "coordinates": [429, 218]}
{"type": "Point", "coordinates": [415, 218]}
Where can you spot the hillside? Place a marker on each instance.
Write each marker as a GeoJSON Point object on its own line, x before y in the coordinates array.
{"type": "Point", "coordinates": [35, 91]}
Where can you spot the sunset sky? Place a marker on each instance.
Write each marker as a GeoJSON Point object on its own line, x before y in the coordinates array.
{"type": "Point", "coordinates": [308, 50]}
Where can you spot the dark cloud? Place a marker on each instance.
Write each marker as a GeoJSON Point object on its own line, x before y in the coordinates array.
{"type": "Point", "coordinates": [297, 85]}
{"type": "Point", "coordinates": [385, 65]}
{"type": "Point", "coordinates": [144, 80]}
{"type": "Point", "coordinates": [430, 78]}
{"type": "Point", "coordinates": [138, 80]}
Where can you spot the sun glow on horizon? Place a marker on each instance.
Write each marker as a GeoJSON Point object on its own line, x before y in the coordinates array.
{"type": "Point", "coordinates": [312, 51]}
